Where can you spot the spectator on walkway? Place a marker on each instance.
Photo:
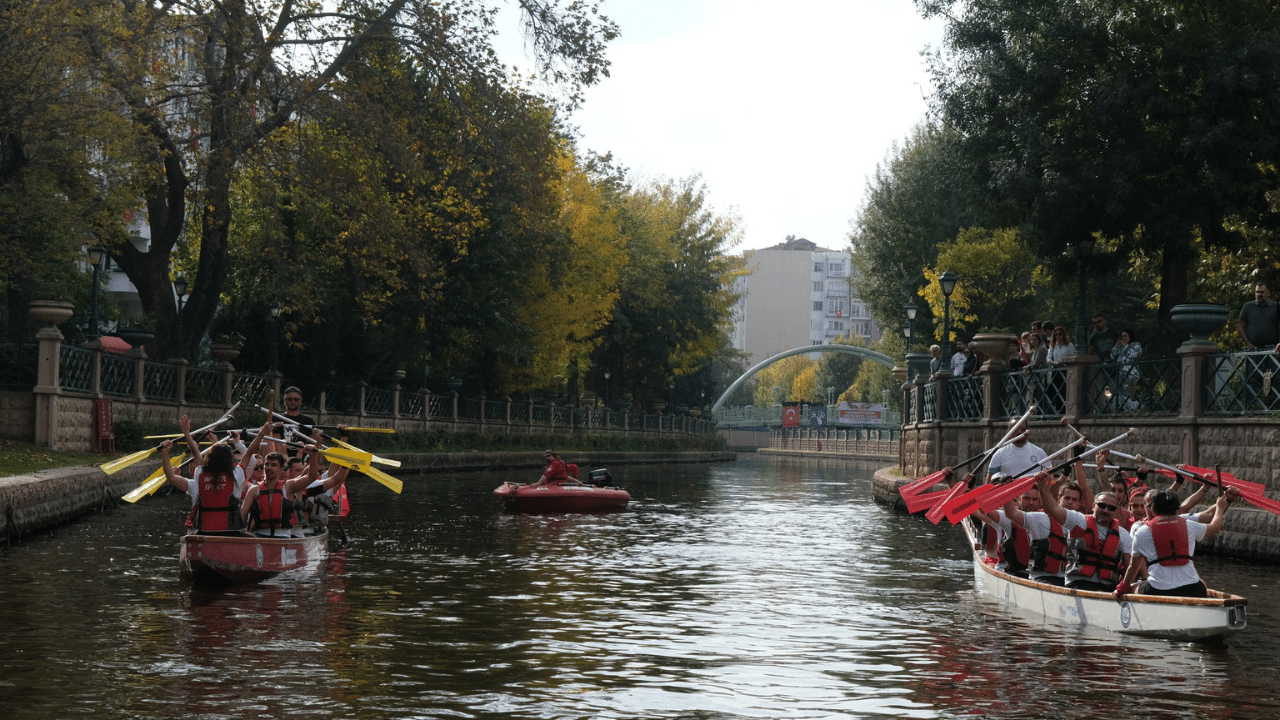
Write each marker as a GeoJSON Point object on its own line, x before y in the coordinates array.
{"type": "Point", "coordinates": [958, 359]}
{"type": "Point", "coordinates": [1037, 353]}
{"type": "Point", "coordinates": [1259, 322]}
{"type": "Point", "coordinates": [1061, 348]}
{"type": "Point", "coordinates": [1103, 338]}
{"type": "Point", "coordinates": [935, 365]}
{"type": "Point", "coordinates": [1016, 355]}
{"type": "Point", "coordinates": [1259, 327]}
{"type": "Point", "coordinates": [1125, 353]}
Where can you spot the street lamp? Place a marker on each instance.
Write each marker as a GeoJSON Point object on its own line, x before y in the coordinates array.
{"type": "Point", "coordinates": [606, 387]}
{"type": "Point", "coordinates": [1083, 248]}
{"type": "Point", "coordinates": [96, 255]}
{"type": "Point", "coordinates": [911, 310]}
{"type": "Point", "coordinates": [180, 287]}
{"type": "Point", "coordinates": [947, 281]}
{"type": "Point", "coordinates": [275, 351]}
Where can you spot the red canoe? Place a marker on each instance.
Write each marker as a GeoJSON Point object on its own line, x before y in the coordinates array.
{"type": "Point", "coordinates": [561, 498]}
{"type": "Point", "coordinates": [224, 560]}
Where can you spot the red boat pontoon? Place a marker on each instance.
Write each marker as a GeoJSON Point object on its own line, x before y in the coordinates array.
{"type": "Point", "coordinates": [223, 560]}
{"type": "Point", "coordinates": [561, 498]}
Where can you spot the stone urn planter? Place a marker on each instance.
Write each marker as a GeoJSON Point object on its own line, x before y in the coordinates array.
{"type": "Point", "coordinates": [50, 312]}
{"type": "Point", "coordinates": [1199, 319]}
{"type": "Point", "coordinates": [657, 406]}
{"type": "Point", "coordinates": [136, 336]}
{"type": "Point", "coordinates": [695, 413]}
{"type": "Point", "coordinates": [224, 352]}
{"type": "Point", "coordinates": [996, 347]}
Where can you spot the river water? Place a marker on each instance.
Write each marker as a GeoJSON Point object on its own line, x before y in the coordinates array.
{"type": "Point", "coordinates": [764, 588]}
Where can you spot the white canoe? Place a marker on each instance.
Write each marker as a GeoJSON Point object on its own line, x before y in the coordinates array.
{"type": "Point", "coordinates": [1169, 618]}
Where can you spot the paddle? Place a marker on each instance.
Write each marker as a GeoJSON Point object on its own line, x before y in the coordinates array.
{"type": "Point", "coordinates": [119, 464]}
{"type": "Point", "coordinates": [327, 436]}
{"type": "Point", "coordinates": [153, 483]}
{"type": "Point", "coordinates": [348, 428]}
{"type": "Point", "coordinates": [928, 481]}
{"type": "Point", "coordinates": [357, 460]}
{"type": "Point", "coordinates": [997, 499]}
{"type": "Point", "coordinates": [960, 506]}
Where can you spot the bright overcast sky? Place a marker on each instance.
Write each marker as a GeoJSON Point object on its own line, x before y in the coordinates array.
{"type": "Point", "coordinates": [785, 108]}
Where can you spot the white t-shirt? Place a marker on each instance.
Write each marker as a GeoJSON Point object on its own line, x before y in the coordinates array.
{"type": "Point", "coordinates": [1076, 519]}
{"type": "Point", "coordinates": [1012, 459]}
{"type": "Point", "coordinates": [1165, 577]}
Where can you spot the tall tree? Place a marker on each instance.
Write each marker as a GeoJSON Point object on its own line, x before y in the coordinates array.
{"type": "Point", "coordinates": [208, 82]}
{"type": "Point", "coordinates": [1145, 120]}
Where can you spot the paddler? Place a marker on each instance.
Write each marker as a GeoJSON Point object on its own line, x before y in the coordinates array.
{"type": "Point", "coordinates": [215, 487]}
{"type": "Point", "coordinates": [1098, 541]}
{"type": "Point", "coordinates": [556, 473]}
{"type": "Point", "coordinates": [269, 503]}
{"type": "Point", "coordinates": [1019, 456]}
{"type": "Point", "coordinates": [1165, 545]}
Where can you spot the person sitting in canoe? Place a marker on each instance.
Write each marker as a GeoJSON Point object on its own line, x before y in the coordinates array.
{"type": "Point", "coordinates": [1098, 541]}
{"type": "Point", "coordinates": [556, 472]}
{"type": "Point", "coordinates": [267, 507]}
{"type": "Point", "coordinates": [1165, 545]}
{"type": "Point", "coordinates": [215, 488]}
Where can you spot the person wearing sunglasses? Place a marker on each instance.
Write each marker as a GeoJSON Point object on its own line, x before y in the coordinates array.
{"type": "Point", "coordinates": [1098, 542]}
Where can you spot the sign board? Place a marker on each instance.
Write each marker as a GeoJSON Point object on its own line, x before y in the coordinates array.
{"type": "Point", "coordinates": [861, 413]}
{"type": "Point", "coordinates": [817, 415]}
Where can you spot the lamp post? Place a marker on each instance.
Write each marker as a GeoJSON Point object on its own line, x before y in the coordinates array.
{"type": "Point", "coordinates": [275, 351]}
{"type": "Point", "coordinates": [911, 310]}
{"type": "Point", "coordinates": [1083, 248]}
{"type": "Point", "coordinates": [606, 388]}
{"type": "Point", "coordinates": [96, 254]}
{"type": "Point", "coordinates": [947, 281]}
{"type": "Point", "coordinates": [180, 287]}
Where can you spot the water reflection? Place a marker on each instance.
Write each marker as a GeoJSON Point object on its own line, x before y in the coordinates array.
{"type": "Point", "coordinates": [765, 588]}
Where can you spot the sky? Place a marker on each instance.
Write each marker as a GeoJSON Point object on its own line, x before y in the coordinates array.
{"type": "Point", "coordinates": [784, 109]}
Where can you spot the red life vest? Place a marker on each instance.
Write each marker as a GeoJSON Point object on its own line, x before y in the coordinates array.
{"type": "Point", "coordinates": [273, 509]}
{"type": "Point", "coordinates": [1101, 558]}
{"type": "Point", "coordinates": [1017, 550]}
{"type": "Point", "coordinates": [1049, 555]}
{"type": "Point", "coordinates": [216, 502]}
{"type": "Point", "coordinates": [1173, 547]}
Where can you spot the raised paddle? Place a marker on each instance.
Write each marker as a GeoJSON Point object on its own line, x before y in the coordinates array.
{"type": "Point", "coordinates": [961, 506]}
{"type": "Point", "coordinates": [373, 458]}
{"type": "Point", "coordinates": [995, 500]}
{"type": "Point", "coordinates": [932, 479]}
{"type": "Point", "coordinates": [357, 460]}
{"type": "Point", "coordinates": [119, 464]}
{"type": "Point", "coordinates": [154, 482]}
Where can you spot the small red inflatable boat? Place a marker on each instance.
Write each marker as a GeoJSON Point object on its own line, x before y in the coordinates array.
{"type": "Point", "coordinates": [561, 498]}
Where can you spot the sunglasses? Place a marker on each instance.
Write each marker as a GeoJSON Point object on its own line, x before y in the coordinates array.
{"type": "Point", "coordinates": [1107, 506]}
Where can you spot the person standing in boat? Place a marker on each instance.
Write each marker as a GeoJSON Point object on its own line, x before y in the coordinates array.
{"type": "Point", "coordinates": [1020, 456]}
{"type": "Point", "coordinates": [1098, 542]}
{"type": "Point", "coordinates": [293, 410]}
{"type": "Point", "coordinates": [1166, 544]}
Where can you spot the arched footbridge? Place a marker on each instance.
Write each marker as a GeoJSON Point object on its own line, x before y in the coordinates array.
{"type": "Point", "coordinates": [848, 349]}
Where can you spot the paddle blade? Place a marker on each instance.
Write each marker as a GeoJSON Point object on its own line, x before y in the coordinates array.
{"type": "Point", "coordinates": [918, 503]}
{"type": "Point", "coordinates": [935, 514]}
{"type": "Point", "coordinates": [119, 464]}
{"type": "Point", "coordinates": [149, 486]}
{"type": "Point", "coordinates": [374, 458]}
{"type": "Point", "coordinates": [347, 458]}
{"type": "Point", "coordinates": [162, 437]}
{"type": "Point", "coordinates": [392, 483]}
{"type": "Point", "coordinates": [375, 430]}
{"type": "Point", "coordinates": [996, 499]}
{"type": "Point", "coordinates": [965, 505]}
{"type": "Point", "coordinates": [918, 486]}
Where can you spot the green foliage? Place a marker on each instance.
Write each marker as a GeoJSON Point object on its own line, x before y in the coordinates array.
{"type": "Point", "coordinates": [21, 458]}
{"type": "Point", "coordinates": [999, 276]}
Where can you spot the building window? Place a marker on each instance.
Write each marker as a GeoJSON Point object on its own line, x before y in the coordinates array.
{"type": "Point", "coordinates": [817, 286]}
{"type": "Point", "coordinates": [835, 325]}
{"type": "Point", "coordinates": [817, 306]}
{"type": "Point", "coordinates": [837, 267]}
{"type": "Point", "coordinates": [817, 267]}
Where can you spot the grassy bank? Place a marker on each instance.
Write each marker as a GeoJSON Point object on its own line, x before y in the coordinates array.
{"type": "Point", "coordinates": [21, 458]}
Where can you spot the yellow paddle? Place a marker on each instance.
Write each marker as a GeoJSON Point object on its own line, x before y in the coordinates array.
{"type": "Point", "coordinates": [153, 483]}
{"type": "Point", "coordinates": [357, 461]}
{"type": "Point", "coordinates": [119, 464]}
{"type": "Point", "coordinates": [374, 458]}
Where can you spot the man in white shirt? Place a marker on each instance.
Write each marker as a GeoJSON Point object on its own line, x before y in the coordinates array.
{"type": "Point", "coordinates": [1098, 542]}
{"type": "Point", "coordinates": [958, 359]}
{"type": "Point", "coordinates": [1019, 458]}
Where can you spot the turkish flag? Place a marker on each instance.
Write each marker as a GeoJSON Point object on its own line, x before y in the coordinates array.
{"type": "Point", "coordinates": [790, 417]}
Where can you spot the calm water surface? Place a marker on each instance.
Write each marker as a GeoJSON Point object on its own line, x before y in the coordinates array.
{"type": "Point", "coordinates": [765, 588]}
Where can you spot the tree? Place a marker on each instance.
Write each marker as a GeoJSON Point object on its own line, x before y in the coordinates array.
{"type": "Point", "coordinates": [999, 277]}
{"type": "Point", "coordinates": [917, 200]}
{"type": "Point", "coordinates": [207, 83]}
{"type": "Point", "coordinates": [1148, 122]}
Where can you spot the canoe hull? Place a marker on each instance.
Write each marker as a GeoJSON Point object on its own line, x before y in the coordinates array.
{"type": "Point", "coordinates": [561, 498]}
{"type": "Point", "coordinates": [227, 560]}
{"type": "Point", "coordinates": [1170, 618]}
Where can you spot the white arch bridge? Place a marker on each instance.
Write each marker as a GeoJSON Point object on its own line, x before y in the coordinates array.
{"type": "Point", "coordinates": [848, 349]}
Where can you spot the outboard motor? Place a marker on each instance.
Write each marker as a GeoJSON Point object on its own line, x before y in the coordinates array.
{"type": "Point", "coordinates": [601, 477]}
